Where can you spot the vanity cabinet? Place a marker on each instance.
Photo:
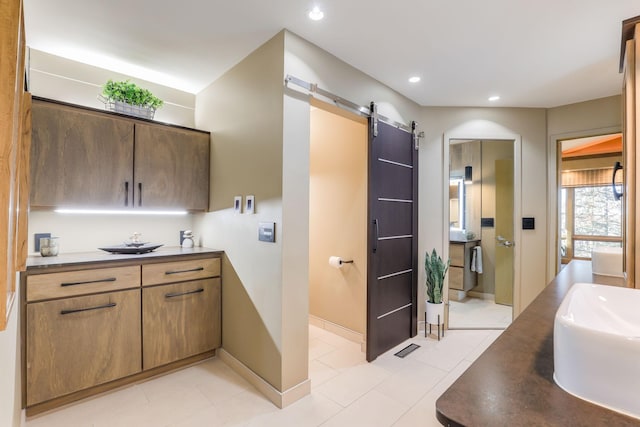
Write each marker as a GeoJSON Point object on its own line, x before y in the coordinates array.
{"type": "Point", "coordinates": [461, 278]}
{"type": "Point", "coordinates": [75, 342]}
{"type": "Point", "coordinates": [88, 327]}
{"type": "Point", "coordinates": [83, 157]}
{"type": "Point", "coordinates": [180, 319]}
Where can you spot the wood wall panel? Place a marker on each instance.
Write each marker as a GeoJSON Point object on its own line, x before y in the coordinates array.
{"type": "Point", "coordinates": [12, 53]}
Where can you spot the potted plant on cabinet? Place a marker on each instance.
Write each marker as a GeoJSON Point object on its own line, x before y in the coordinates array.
{"type": "Point", "coordinates": [436, 270]}
{"type": "Point", "coordinates": [128, 98]}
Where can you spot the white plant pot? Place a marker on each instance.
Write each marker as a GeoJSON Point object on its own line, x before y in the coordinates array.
{"type": "Point", "coordinates": [433, 311]}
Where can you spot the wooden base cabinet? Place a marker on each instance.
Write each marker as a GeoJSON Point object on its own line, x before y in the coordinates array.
{"type": "Point", "coordinates": [179, 320]}
{"type": "Point", "coordinates": [461, 277]}
{"type": "Point", "coordinates": [76, 343]}
{"type": "Point", "coordinates": [91, 327]}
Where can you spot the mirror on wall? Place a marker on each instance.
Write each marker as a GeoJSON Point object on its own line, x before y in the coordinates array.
{"type": "Point", "coordinates": [465, 183]}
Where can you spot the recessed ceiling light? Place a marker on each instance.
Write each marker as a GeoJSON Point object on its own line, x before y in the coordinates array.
{"type": "Point", "coordinates": [414, 79]}
{"type": "Point", "coordinates": [316, 14]}
{"type": "Point", "coordinates": [494, 98]}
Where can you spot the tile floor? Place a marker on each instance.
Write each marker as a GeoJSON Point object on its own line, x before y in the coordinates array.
{"type": "Point", "coordinates": [478, 313]}
{"type": "Point", "coordinates": [345, 391]}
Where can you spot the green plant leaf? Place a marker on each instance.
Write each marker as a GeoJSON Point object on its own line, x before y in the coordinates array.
{"type": "Point", "coordinates": [126, 91]}
{"type": "Point", "coordinates": [436, 270]}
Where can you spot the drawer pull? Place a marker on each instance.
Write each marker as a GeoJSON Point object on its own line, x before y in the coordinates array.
{"type": "Point", "coordinates": [78, 310]}
{"type": "Point", "coordinates": [109, 279]}
{"type": "Point", "coordinates": [179, 294]}
{"type": "Point", "coordinates": [184, 271]}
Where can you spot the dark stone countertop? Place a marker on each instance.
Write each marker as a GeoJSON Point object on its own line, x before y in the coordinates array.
{"type": "Point", "coordinates": [37, 263]}
{"type": "Point", "coordinates": [511, 383]}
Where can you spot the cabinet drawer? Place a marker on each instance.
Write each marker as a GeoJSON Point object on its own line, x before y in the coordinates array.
{"type": "Point", "coordinates": [456, 255]}
{"type": "Point", "coordinates": [76, 343]}
{"type": "Point", "coordinates": [180, 271]}
{"type": "Point", "coordinates": [456, 278]}
{"type": "Point", "coordinates": [180, 320]}
{"type": "Point", "coordinates": [73, 283]}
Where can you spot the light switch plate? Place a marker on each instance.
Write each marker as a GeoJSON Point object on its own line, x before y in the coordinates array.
{"type": "Point", "coordinates": [250, 204]}
{"type": "Point", "coordinates": [237, 204]}
{"type": "Point", "coordinates": [267, 232]}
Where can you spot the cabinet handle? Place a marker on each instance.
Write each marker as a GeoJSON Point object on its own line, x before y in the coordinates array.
{"type": "Point", "coordinates": [78, 310]}
{"type": "Point", "coordinates": [184, 271]}
{"type": "Point", "coordinates": [109, 279]}
{"type": "Point", "coordinates": [139, 194]}
{"type": "Point", "coordinates": [126, 193]}
{"type": "Point", "coordinates": [179, 294]}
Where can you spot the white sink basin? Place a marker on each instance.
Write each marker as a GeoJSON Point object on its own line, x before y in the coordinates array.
{"type": "Point", "coordinates": [606, 261]}
{"type": "Point", "coordinates": [596, 346]}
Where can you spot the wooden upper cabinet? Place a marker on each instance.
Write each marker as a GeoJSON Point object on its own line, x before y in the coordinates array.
{"type": "Point", "coordinates": [80, 158]}
{"type": "Point", "coordinates": [171, 168]}
{"type": "Point", "coordinates": [87, 158]}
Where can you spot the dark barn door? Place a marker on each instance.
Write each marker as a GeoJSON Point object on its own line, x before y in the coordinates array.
{"type": "Point", "coordinates": [392, 269]}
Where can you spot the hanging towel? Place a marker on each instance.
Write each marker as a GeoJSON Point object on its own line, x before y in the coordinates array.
{"type": "Point", "coordinates": [476, 259]}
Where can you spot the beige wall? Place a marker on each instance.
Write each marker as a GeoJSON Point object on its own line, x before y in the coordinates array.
{"type": "Point", "coordinates": [491, 151]}
{"type": "Point", "coordinates": [243, 110]}
{"type": "Point", "coordinates": [596, 117]}
{"type": "Point", "coordinates": [307, 62]}
{"type": "Point", "coordinates": [338, 217]}
{"type": "Point", "coordinates": [62, 79]}
{"type": "Point", "coordinates": [526, 124]}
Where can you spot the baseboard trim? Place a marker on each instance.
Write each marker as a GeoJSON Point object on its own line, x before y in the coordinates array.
{"type": "Point", "coordinates": [334, 328]}
{"type": "Point", "coordinates": [278, 398]}
{"type": "Point", "coordinates": [481, 295]}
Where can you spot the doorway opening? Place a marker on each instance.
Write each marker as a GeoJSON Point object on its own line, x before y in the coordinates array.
{"type": "Point", "coordinates": [338, 221]}
{"type": "Point", "coordinates": [481, 233]}
{"type": "Point", "coordinates": [589, 216]}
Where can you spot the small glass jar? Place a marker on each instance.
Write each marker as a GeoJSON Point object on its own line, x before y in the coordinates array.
{"type": "Point", "coordinates": [49, 246]}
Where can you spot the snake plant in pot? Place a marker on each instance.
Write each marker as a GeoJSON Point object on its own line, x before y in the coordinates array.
{"type": "Point", "coordinates": [436, 270]}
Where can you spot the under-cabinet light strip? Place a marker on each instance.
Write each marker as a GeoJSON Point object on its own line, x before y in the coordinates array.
{"type": "Point", "coordinates": [118, 212]}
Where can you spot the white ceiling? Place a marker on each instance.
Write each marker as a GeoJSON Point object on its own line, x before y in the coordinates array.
{"type": "Point", "coordinates": [540, 53]}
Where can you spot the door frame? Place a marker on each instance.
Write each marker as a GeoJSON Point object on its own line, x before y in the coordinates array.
{"type": "Point", "coordinates": [494, 135]}
{"type": "Point", "coordinates": [554, 151]}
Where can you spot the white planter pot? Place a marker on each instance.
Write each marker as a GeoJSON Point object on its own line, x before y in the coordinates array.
{"type": "Point", "coordinates": [433, 311]}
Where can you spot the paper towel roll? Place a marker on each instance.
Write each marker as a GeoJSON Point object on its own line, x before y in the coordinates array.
{"type": "Point", "coordinates": [335, 261]}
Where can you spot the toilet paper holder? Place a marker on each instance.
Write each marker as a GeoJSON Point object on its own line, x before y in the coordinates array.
{"type": "Point", "coordinates": [337, 262]}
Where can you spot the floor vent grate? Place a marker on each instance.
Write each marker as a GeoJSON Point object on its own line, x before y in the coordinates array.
{"type": "Point", "coordinates": [408, 349]}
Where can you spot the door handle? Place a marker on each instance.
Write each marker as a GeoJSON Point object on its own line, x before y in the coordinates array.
{"type": "Point", "coordinates": [616, 195]}
{"type": "Point", "coordinates": [376, 234]}
{"type": "Point", "coordinates": [504, 242]}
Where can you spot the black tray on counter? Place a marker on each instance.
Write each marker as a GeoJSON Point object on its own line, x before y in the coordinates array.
{"type": "Point", "coordinates": [131, 249]}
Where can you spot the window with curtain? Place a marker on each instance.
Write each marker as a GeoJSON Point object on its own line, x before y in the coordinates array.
{"type": "Point", "coordinates": [589, 215]}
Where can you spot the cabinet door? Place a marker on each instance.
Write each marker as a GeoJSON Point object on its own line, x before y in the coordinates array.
{"type": "Point", "coordinates": [76, 343]}
{"type": "Point", "coordinates": [80, 158]}
{"type": "Point", "coordinates": [180, 320]}
{"type": "Point", "coordinates": [171, 168]}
